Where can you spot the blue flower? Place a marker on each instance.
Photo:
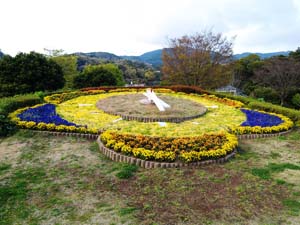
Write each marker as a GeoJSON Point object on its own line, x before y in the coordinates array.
{"type": "Point", "coordinates": [255, 118]}
{"type": "Point", "coordinates": [46, 114]}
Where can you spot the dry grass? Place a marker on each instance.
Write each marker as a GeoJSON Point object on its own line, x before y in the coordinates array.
{"type": "Point", "coordinates": [130, 105]}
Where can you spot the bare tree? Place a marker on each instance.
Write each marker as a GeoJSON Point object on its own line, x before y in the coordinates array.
{"type": "Point", "coordinates": [201, 59]}
{"type": "Point", "coordinates": [280, 73]}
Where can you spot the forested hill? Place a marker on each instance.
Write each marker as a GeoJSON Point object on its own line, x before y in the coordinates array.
{"type": "Point", "coordinates": [155, 57]}
{"type": "Point", "coordinates": [261, 55]}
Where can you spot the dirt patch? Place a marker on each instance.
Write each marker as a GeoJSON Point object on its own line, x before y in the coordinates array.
{"type": "Point", "coordinates": [290, 176]}
{"type": "Point", "coordinates": [130, 105]}
{"type": "Point", "coordinates": [10, 151]}
{"type": "Point", "coordinates": [185, 197]}
{"type": "Point", "coordinates": [287, 151]}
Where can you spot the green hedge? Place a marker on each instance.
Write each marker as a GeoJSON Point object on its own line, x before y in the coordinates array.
{"type": "Point", "coordinates": [293, 114]}
{"type": "Point", "coordinates": [10, 104]}
{"type": "Point", "coordinates": [252, 103]}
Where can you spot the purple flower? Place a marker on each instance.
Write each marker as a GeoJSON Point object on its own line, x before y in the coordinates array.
{"type": "Point", "coordinates": [46, 114]}
{"type": "Point", "coordinates": [255, 118]}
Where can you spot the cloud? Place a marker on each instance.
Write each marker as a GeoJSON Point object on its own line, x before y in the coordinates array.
{"type": "Point", "coordinates": [137, 26]}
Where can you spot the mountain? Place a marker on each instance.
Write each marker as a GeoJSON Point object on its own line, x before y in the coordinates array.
{"type": "Point", "coordinates": [102, 55]}
{"type": "Point", "coordinates": [1, 54]}
{"type": "Point", "coordinates": [261, 55]}
{"type": "Point", "coordinates": [154, 58]}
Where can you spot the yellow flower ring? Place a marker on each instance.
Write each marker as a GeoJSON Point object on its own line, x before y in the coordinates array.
{"type": "Point", "coordinates": [219, 117]}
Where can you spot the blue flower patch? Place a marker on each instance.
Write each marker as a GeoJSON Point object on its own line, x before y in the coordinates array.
{"type": "Point", "coordinates": [255, 118]}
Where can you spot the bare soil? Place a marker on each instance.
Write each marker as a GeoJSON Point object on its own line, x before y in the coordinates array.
{"type": "Point", "coordinates": [130, 105]}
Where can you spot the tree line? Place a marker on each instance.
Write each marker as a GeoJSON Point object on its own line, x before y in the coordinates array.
{"type": "Point", "coordinates": [31, 72]}
{"type": "Point", "coordinates": [205, 59]}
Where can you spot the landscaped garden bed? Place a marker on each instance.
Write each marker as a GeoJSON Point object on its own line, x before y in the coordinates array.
{"type": "Point", "coordinates": [211, 136]}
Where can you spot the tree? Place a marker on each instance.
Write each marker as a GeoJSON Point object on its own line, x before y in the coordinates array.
{"type": "Point", "coordinates": [280, 73]}
{"type": "Point", "coordinates": [26, 73]}
{"type": "Point", "coordinates": [114, 69]}
{"type": "Point", "coordinates": [243, 72]}
{"type": "Point", "coordinates": [93, 76]}
{"type": "Point", "coordinates": [68, 63]}
{"type": "Point", "coordinates": [296, 100]}
{"type": "Point", "coordinates": [201, 59]}
{"type": "Point", "coordinates": [295, 54]}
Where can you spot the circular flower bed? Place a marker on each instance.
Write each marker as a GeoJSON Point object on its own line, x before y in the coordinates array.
{"type": "Point", "coordinates": [211, 136]}
{"type": "Point", "coordinates": [129, 107]}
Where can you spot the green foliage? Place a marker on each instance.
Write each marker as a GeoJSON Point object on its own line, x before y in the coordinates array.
{"type": "Point", "coordinates": [264, 106]}
{"type": "Point", "coordinates": [126, 211]}
{"type": "Point", "coordinates": [268, 107]}
{"type": "Point", "coordinates": [127, 171]}
{"type": "Point", "coordinates": [10, 104]}
{"type": "Point", "coordinates": [99, 75]}
{"type": "Point", "coordinates": [296, 100]}
{"type": "Point", "coordinates": [295, 54]}
{"type": "Point", "coordinates": [14, 192]}
{"type": "Point", "coordinates": [243, 72]}
{"type": "Point", "coordinates": [6, 126]}
{"type": "Point", "coordinates": [27, 73]}
{"type": "Point", "coordinates": [116, 71]}
{"type": "Point", "coordinates": [292, 205]}
{"type": "Point", "coordinates": [267, 94]}
{"type": "Point", "coordinates": [265, 173]}
{"type": "Point", "coordinates": [68, 63]}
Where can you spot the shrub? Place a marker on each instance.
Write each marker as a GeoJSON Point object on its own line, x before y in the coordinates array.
{"type": "Point", "coordinates": [94, 75]}
{"type": "Point", "coordinates": [27, 73]}
{"type": "Point", "coordinates": [10, 104]}
{"type": "Point", "coordinates": [266, 93]}
{"type": "Point", "coordinates": [296, 100]}
{"type": "Point", "coordinates": [6, 126]}
{"type": "Point", "coordinates": [268, 107]}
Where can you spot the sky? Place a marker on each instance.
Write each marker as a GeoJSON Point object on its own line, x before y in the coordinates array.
{"type": "Point", "coordinates": [133, 27]}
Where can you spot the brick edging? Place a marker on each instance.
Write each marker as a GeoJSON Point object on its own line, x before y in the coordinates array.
{"type": "Point", "coordinates": [118, 157]}
{"type": "Point", "coordinates": [79, 135]}
{"type": "Point", "coordinates": [156, 119]}
{"type": "Point", "coordinates": [254, 136]}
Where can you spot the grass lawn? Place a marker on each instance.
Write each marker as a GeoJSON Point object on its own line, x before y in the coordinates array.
{"type": "Point", "coordinates": [65, 180]}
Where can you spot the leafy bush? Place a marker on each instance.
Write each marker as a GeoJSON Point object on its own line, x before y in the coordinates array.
{"type": "Point", "coordinates": [296, 100]}
{"type": "Point", "coordinates": [264, 106]}
{"type": "Point", "coordinates": [27, 73]}
{"type": "Point", "coordinates": [6, 126]}
{"type": "Point", "coordinates": [268, 107]}
{"type": "Point", "coordinates": [10, 104]}
{"type": "Point", "coordinates": [96, 75]}
{"type": "Point", "coordinates": [267, 93]}
{"type": "Point", "coordinates": [127, 171]}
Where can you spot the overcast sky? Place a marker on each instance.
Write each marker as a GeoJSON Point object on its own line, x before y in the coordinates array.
{"type": "Point", "coordinates": [132, 27]}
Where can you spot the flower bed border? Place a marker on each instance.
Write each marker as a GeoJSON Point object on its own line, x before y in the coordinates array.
{"type": "Point", "coordinates": [256, 136]}
{"type": "Point", "coordinates": [118, 157]}
{"type": "Point", "coordinates": [69, 134]}
{"type": "Point", "coordinates": [156, 119]}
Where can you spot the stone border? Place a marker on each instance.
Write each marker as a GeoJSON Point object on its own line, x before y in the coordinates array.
{"type": "Point", "coordinates": [56, 133]}
{"type": "Point", "coordinates": [255, 136]}
{"type": "Point", "coordinates": [156, 119]}
{"type": "Point", "coordinates": [118, 157]}
{"type": "Point", "coordinates": [144, 119]}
